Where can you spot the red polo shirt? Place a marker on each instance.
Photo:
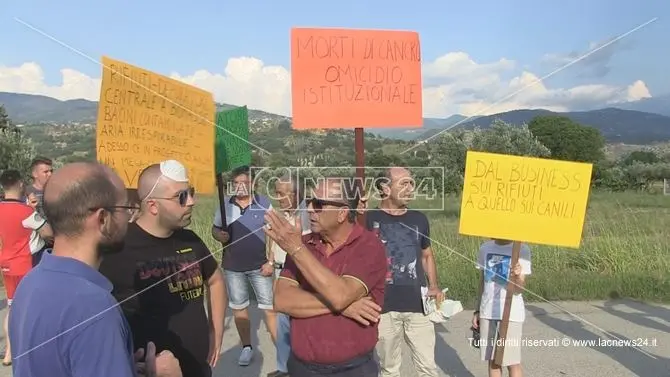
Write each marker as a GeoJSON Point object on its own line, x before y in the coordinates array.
{"type": "Point", "coordinates": [330, 338]}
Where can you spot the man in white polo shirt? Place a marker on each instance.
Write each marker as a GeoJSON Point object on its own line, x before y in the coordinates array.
{"type": "Point", "coordinates": [289, 195]}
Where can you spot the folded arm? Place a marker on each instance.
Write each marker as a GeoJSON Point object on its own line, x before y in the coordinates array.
{"type": "Point", "coordinates": [338, 291]}
{"type": "Point", "coordinates": [289, 298]}
{"type": "Point", "coordinates": [38, 224]}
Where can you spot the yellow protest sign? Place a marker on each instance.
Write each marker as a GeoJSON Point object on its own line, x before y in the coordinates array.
{"type": "Point", "coordinates": [524, 199]}
{"type": "Point", "coordinates": [144, 118]}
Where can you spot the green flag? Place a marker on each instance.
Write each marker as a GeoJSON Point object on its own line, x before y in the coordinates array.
{"type": "Point", "coordinates": [232, 139]}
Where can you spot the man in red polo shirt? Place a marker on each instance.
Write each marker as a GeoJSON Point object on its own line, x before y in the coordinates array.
{"type": "Point", "coordinates": [21, 232]}
{"type": "Point", "coordinates": [331, 286]}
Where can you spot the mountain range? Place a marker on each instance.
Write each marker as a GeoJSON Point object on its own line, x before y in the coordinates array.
{"type": "Point", "coordinates": [638, 122]}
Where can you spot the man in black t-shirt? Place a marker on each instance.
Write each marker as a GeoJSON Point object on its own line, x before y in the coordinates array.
{"type": "Point", "coordinates": [161, 275]}
{"type": "Point", "coordinates": [406, 236]}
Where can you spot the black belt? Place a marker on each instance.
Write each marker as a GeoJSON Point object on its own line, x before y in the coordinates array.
{"type": "Point", "coordinates": [278, 266]}
{"type": "Point", "coordinates": [335, 368]}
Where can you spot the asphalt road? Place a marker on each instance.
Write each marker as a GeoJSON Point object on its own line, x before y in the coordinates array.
{"type": "Point", "coordinates": [627, 321]}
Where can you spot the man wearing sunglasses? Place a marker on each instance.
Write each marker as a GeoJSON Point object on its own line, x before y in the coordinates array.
{"type": "Point", "coordinates": [165, 272]}
{"type": "Point", "coordinates": [331, 285]}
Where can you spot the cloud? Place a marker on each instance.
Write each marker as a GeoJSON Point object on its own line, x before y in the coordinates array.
{"type": "Point", "coordinates": [454, 83]}
{"type": "Point", "coordinates": [597, 64]}
{"type": "Point", "coordinates": [29, 78]}
{"type": "Point", "coordinates": [247, 81]}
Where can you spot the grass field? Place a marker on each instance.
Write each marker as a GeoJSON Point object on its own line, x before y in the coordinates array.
{"type": "Point", "coordinates": [624, 253]}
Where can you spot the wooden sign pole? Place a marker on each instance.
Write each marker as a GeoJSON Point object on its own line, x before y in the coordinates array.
{"type": "Point", "coordinates": [359, 141]}
{"type": "Point", "coordinates": [504, 324]}
{"type": "Point", "coordinates": [220, 185]}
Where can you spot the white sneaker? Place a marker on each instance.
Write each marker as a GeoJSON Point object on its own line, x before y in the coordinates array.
{"type": "Point", "coordinates": [245, 356]}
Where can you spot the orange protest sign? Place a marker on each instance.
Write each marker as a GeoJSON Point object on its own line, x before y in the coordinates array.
{"type": "Point", "coordinates": [346, 78]}
{"type": "Point", "coordinates": [145, 118]}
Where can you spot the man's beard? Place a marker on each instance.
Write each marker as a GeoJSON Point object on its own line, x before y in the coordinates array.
{"type": "Point", "coordinates": [111, 247]}
{"type": "Point", "coordinates": [111, 244]}
{"type": "Point", "coordinates": [174, 223]}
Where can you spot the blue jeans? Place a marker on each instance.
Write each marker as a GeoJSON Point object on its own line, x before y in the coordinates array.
{"type": "Point", "coordinates": [238, 289]}
{"type": "Point", "coordinates": [283, 341]}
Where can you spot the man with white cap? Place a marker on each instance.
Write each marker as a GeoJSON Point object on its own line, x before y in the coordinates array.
{"type": "Point", "coordinates": [162, 273]}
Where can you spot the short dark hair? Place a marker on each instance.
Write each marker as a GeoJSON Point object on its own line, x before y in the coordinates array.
{"type": "Point", "coordinates": [244, 169]}
{"type": "Point", "coordinates": [9, 179]}
{"type": "Point", "coordinates": [40, 160]}
{"type": "Point", "coordinates": [67, 212]}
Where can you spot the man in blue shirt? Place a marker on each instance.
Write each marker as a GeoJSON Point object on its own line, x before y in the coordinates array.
{"type": "Point", "coordinates": [64, 320]}
{"type": "Point", "coordinates": [247, 258]}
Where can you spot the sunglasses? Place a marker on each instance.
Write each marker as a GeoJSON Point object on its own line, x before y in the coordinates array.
{"type": "Point", "coordinates": [318, 204]}
{"type": "Point", "coordinates": [181, 196]}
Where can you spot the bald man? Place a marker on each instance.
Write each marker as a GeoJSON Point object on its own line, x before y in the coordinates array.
{"type": "Point", "coordinates": [406, 236]}
{"type": "Point", "coordinates": [64, 320]}
{"type": "Point", "coordinates": [161, 275]}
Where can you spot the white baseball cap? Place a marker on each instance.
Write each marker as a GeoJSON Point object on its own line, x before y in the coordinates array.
{"type": "Point", "coordinates": [174, 170]}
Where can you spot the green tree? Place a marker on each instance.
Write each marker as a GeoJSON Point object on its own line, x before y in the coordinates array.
{"type": "Point", "coordinates": [284, 125]}
{"type": "Point", "coordinates": [450, 149]}
{"type": "Point", "coordinates": [5, 122]}
{"type": "Point", "coordinates": [642, 176]}
{"type": "Point", "coordinates": [645, 157]}
{"type": "Point", "coordinates": [568, 140]}
{"type": "Point", "coordinates": [507, 139]}
{"type": "Point", "coordinates": [16, 150]}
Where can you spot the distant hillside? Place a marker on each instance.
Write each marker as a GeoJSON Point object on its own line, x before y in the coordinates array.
{"type": "Point", "coordinates": [616, 125]}
{"type": "Point", "coordinates": [69, 138]}
{"type": "Point", "coordinates": [30, 109]}
{"type": "Point", "coordinates": [658, 105]}
{"type": "Point", "coordinates": [414, 133]}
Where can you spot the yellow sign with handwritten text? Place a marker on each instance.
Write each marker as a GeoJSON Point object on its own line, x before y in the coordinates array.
{"type": "Point", "coordinates": [524, 199]}
{"type": "Point", "coordinates": [145, 118]}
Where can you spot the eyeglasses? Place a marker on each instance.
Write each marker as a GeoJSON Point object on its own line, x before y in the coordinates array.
{"type": "Point", "coordinates": [130, 209]}
{"type": "Point", "coordinates": [181, 196]}
{"type": "Point", "coordinates": [318, 204]}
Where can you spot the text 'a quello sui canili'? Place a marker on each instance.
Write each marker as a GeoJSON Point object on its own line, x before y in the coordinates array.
{"type": "Point", "coordinates": [523, 189]}
{"type": "Point", "coordinates": [382, 80]}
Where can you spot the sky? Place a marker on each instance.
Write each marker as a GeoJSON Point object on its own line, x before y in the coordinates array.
{"type": "Point", "coordinates": [479, 57]}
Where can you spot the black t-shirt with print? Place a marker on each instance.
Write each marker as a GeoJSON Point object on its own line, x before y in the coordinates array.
{"type": "Point", "coordinates": [161, 304]}
{"type": "Point", "coordinates": [404, 237]}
